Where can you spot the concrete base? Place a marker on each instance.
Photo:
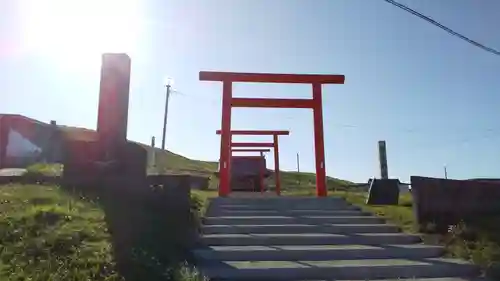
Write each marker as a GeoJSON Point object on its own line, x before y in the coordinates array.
{"type": "Point", "coordinates": [383, 192]}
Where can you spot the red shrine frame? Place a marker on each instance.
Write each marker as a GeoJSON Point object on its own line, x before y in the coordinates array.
{"type": "Point", "coordinates": [261, 151]}
{"type": "Point", "coordinates": [228, 102]}
{"type": "Point", "coordinates": [273, 144]}
{"type": "Point", "coordinates": [262, 167]}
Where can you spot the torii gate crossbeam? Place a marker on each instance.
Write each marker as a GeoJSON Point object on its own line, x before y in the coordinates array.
{"type": "Point", "coordinates": [251, 150]}
{"type": "Point", "coordinates": [316, 104]}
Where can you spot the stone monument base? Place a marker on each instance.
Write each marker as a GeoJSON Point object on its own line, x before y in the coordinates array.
{"type": "Point", "coordinates": [383, 192]}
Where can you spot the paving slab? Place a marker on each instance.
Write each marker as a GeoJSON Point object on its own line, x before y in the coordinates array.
{"type": "Point", "coordinates": [299, 228]}
{"type": "Point", "coordinates": [317, 252]}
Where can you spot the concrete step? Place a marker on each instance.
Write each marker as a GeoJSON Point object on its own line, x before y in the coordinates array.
{"type": "Point", "coordinates": [299, 229]}
{"type": "Point", "coordinates": [251, 213]}
{"type": "Point", "coordinates": [258, 200]}
{"type": "Point", "coordinates": [279, 220]}
{"type": "Point", "coordinates": [282, 208]}
{"type": "Point", "coordinates": [422, 279]}
{"type": "Point", "coordinates": [368, 269]}
{"type": "Point", "coordinates": [308, 239]}
{"type": "Point", "coordinates": [318, 252]}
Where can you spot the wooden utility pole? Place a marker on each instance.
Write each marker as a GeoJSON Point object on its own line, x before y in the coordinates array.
{"type": "Point", "coordinates": [298, 168]}
{"type": "Point", "coordinates": [165, 116]}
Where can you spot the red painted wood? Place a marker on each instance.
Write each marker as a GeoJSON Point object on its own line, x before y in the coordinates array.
{"type": "Point", "coordinates": [252, 144]}
{"type": "Point", "coordinates": [257, 132]}
{"type": "Point", "coordinates": [246, 156]}
{"type": "Point", "coordinates": [277, 165]}
{"type": "Point", "coordinates": [319, 146]}
{"type": "Point", "coordinates": [272, 103]}
{"type": "Point", "coordinates": [262, 171]}
{"type": "Point", "coordinates": [225, 148]}
{"type": "Point", "coordinates": [272, 77]}
{"type": "Point", "coordinates": [251, 150]}
{"type": "Point", "coordinates": [315, 103]}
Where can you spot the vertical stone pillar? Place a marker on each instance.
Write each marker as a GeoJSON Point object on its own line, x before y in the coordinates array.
{"type": "Point", "coordinates": [384, 173]}
{"type": "Point", "coordinates": [113, 103]}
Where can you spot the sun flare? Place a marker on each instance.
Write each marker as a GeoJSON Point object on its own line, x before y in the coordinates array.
{"type": "Point", "coordinates": [77, 32]}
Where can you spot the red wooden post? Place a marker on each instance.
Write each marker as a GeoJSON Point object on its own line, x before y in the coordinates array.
{"type": "Point", "coordinates": [225, 147]}
{"type": "Point", "coordinates": [277, 165]}
{"type": "Point", "coordinates": [319, 146]}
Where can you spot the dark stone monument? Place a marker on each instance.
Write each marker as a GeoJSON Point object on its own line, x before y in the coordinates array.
{"type": "Point", "coordinates": [382, 152]}
{"type": "Point", "coordinates": [109, 158]}
{"type": "Point", "coordinates": [383, 192]}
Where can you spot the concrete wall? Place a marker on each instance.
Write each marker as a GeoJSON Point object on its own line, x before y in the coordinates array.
{"type": "Point", "coordinates": [446, 202]}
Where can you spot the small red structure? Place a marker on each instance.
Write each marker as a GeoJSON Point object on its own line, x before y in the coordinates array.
{"type": "Point", "coordinates": [273, 144]}
{"type": "Point", "coordinates": [228, 102]}
{"type": "Point", "coordinates": [262, 168]}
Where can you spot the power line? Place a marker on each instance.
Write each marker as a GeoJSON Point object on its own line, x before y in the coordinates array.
{"type": "Point", "coordinates": [332, 123]}
{"type": "Point", "coordinates": [454, 33]}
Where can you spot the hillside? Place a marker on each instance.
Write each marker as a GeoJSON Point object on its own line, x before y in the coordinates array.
{"type": "Point", "coordinates": [169, 162]}
{"type": "Point", "coordinates": [174, 163]}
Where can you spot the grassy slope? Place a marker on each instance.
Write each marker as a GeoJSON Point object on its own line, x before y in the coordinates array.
{"type": "Point", "coordinates": [48, 234]}
{"type": "Point", "coordinates": [169, 162]}
{"type": "Point", "coordinates": [478, 240]}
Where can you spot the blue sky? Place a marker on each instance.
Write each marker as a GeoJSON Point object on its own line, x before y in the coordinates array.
{"type": "Point", "coordinates": [434, 98]}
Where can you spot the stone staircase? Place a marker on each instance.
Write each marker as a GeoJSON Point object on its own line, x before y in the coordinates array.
{"type": "Point", "coordinates": [299, 238]}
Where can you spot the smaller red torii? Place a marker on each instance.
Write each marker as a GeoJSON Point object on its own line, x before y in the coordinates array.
{"type": "Point", "coordinates": [224, 190]}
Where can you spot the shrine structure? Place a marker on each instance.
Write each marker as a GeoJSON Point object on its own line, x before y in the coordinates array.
{"type": "Point", "coordinates": [228, 102]}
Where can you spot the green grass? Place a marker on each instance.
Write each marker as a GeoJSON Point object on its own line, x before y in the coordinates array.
{"type": "Point", "coordinates": [44, 169]}
{"type": "Point", "coordinates": [402, 214]}
{"type": "Point", "coordinates": [477, 240]}
{"type": "Point", "coordinates": [48, 234]}
{"type": "Point", "coordinates": [169, 162]}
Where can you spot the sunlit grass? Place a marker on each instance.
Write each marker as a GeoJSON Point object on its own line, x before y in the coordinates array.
{"type": "Point", "coordinates": [48, 234]}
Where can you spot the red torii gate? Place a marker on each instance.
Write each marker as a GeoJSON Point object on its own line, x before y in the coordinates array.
{"type": "Point", "coordinates": [273, 144]}
{"type": "Point", "coordinates": [228, 102]}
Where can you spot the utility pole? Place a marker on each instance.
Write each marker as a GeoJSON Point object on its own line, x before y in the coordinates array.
{"type": "Point", "coordinates": [298, 168]}
{"type": "Point", "coordinates": [168, 86]}
{"type": "Point", "coordinates": [153, 152]}
{"type": "Point", "coordinates": [298, 163]}
{"type": "Point", "coordinates": [445, 172]}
